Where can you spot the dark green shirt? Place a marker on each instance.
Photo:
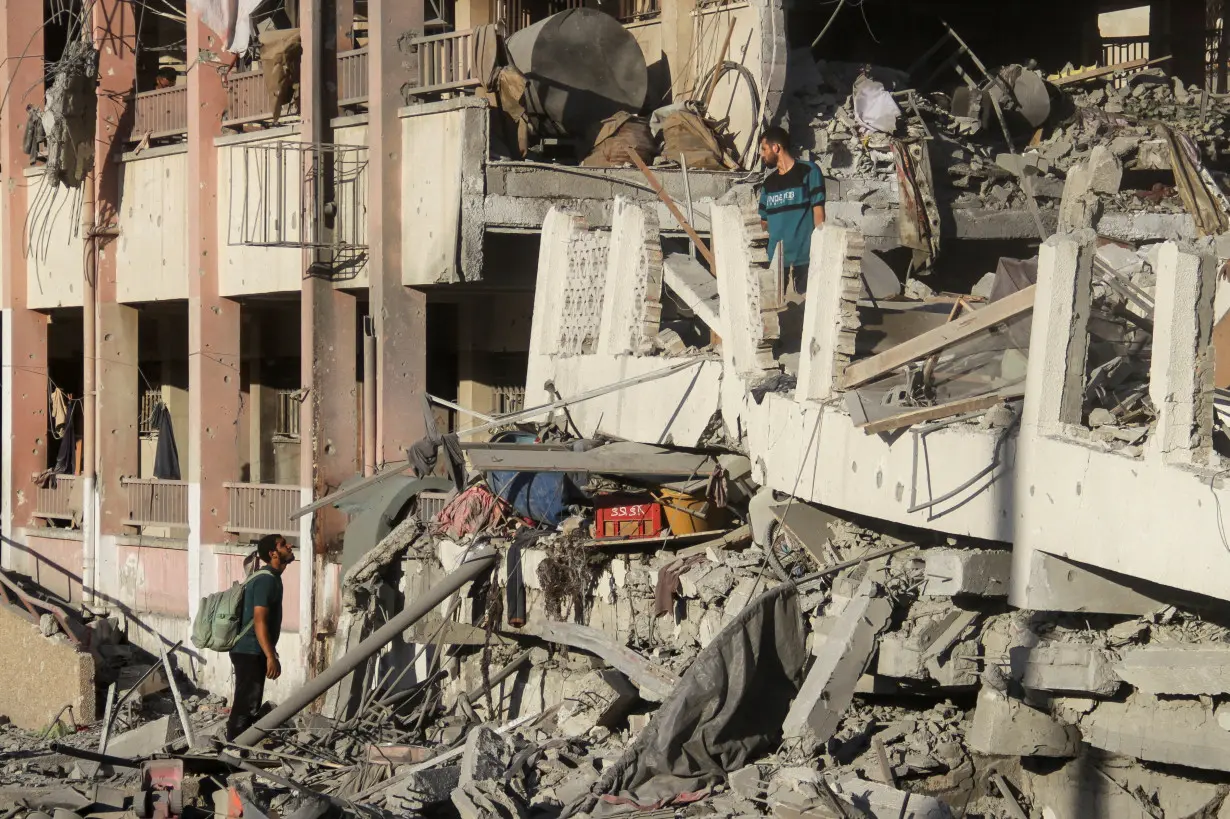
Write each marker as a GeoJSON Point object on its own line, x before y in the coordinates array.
{"type": "Point", "coordinates": [264, 589]}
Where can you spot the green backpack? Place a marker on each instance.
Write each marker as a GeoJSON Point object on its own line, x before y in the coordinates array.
{"type": "Point", "coordinates": [216, 626]}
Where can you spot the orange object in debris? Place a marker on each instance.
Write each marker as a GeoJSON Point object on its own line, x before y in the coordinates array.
{"type": "Point", "coordinates": [621, 516]}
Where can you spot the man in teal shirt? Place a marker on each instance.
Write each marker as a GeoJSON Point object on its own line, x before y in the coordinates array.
{"type": "Point", "coordinates": [255, 654]}
{"type": "Point", "coordinates": [791, 205]}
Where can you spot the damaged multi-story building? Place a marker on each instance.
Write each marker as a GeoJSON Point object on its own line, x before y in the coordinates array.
{"type": "Point", "coordinates": [310, 236]}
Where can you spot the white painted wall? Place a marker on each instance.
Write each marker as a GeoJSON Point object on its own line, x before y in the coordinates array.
{"type": "Point", "coordinates": [152, 249]}
{"type": "Point", "coordinates": [246, 270]}
{"type": "Point", "coordinates": [352, 198]}
{"type": "Point", "coordinates": [432, 144]}
{"type": "Point", "coordinates": [1133, 22]}
{"type": "Point", "coordinates": [55, 261]}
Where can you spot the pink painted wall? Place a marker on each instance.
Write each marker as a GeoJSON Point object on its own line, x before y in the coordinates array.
{"type": "Point", "coordinates": [53, 563]}
{"type": "Point", "coordinates": [230, 570]}
{"type": "Point", "coordinates": [153, 580]}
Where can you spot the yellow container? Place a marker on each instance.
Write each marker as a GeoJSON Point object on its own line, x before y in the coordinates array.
{"type": "Point", "coordinates": [687, 515]}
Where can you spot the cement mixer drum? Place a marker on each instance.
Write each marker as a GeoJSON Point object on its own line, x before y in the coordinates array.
{"type": "Point", "coordinates": [581, 67]}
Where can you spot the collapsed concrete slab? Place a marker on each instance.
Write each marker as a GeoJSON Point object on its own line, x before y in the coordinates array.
{"type": "Point", "coordinates": [1070, 667]}
{"type": "Point", "coordinates": [1049, 583]}
{"type": "Point", "coordinates": [1175, 732]}
{"type": "Point", "coordinates": [981, 572]}
{"type": "Point", "coordinates": [41, 675]}
{"type": "Point", "coordinates": [1007, 727]}
{"type": "Point", "coordinates": [1190, 670]}
{"type": "Point", "coordinates": [840, 662]}
{"type": "Point", "coordinates": [1101, 785]}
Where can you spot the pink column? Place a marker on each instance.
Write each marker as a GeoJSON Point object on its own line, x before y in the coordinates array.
{"type": "Point", "coordinates": [400, 312]}
{"type": "Point", "coordinates": [213, 321]}
{"type": "Point", "coordinates": [23, 414]}
{"type": "Point", "coordinates": [115, 36]}
{"type": "Point", "coordinates": [329, 425]}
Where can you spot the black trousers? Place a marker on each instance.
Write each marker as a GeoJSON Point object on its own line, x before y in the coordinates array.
{"type": "Point", "coordinates": [249, 692]}
{"type": "Point", "coordinates": [798, 273]}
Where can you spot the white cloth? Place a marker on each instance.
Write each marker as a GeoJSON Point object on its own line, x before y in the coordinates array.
{"type": "Point", "coordinates": [230, 19]}
{"type": "Point", "coordinates": [874, 107]}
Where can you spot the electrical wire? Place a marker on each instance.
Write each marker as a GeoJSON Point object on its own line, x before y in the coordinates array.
{"type": "Point", "coordinates": [840, 5]}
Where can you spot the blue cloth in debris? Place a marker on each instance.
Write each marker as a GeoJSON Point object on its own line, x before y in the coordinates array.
{"type": "Point", "coordinates": [539, 496]}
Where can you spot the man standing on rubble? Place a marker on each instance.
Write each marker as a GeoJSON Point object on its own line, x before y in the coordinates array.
{"type": "Point", "coordinates": [791, 205]}
{"type": "Point", "coordinates": [255, 655]}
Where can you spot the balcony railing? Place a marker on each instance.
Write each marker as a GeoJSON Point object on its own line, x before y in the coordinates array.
{"type": "Point", "coordinates": [161, 113]}
{"type": "Point", "coordinates": [630, 10]}
{"type": "Point", "coordinates": [60, 499]}
{"type": "Point", "coordinates": [247, 99]}
{"type": "Point", "coordinates": [262, 509]}
{"type": "Point", "coordinates": [352, 78]}
{"type": "Point", "coordinates": [152, 502]}
{"type": "Point", "coordinates": [445, 62]}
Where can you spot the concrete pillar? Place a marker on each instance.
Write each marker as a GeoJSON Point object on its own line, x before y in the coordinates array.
{"type": "Point", "coordinates": [23, 346]}
{"type": "Point", "coordinates": [400, 313]}
{"type": "Point", "coordinates": [213, 321]}
{"type": "Point", "coordinates": [678, 35]}
{"type": "Point", "coordinates": [828, 310]}
{"type": "Point", "coordinates": [117, 446]}
{"type": "Point", "coordinates": [119, 406]}
{"type": "Point", "coordinates": [1056, 374]}
{"type": "Point", "coordinates": [1181, 373]}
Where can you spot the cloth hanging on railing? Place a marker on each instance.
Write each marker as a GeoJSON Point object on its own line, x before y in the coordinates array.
{"type": "Point", "coordinates": [66, 455]}
{"type": "Point", "coordinates": [230, 19]}
{"type": "Point", "coordinates": [166, 457]}
{"type": "Point", "coordinates": [59, 412]}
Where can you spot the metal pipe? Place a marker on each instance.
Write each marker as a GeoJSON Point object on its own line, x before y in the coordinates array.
{"type": "Point", "coordinates": [335, 673]}
{"type": "Point", "coordinates": [89, 307]}
{"type": "Point", "coordinates": [687, 195]}
{"type": "Point", "coordinates": [369, 396]}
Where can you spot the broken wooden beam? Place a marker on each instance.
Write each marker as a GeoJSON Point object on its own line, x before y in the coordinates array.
{"type": "Point", "coordinates": [673, 208]}
{"type": "Point", "coordinates": [923, 414]}
{"type": "Point", "coordinates": [1093, 74]}
{"type": "Point", "coordinates": [932, 341]}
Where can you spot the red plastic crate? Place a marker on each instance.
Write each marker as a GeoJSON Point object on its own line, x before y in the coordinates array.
{"type": "Point", "coordinates": [627, 517]}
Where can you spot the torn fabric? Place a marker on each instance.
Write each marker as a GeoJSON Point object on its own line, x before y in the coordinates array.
{"type": "Point", "coordinates": [726, 711]}
{"type": "Point", "coordinates": [229, 19]}
{"type": "Point", "coordinates": [166, 456]}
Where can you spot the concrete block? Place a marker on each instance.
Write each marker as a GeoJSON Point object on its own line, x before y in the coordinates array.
{"type": "Point", "coordinates": [1173, 732]}
{"type": "Point", "coordinates": [1006, 727]}
{"type": "Point", "coordinates": [1071, 667]}
{"type": "Point", "coordinates": [840, 662]}
{"type": "Point", "coordinates": [982, 572]}
{"type": "Point", "coordinates": [486, 755]}
{"type": "Point", "coordinates": [1177, 670]}
{"type": "Point", "coordinates": [1117, 789]}
{"type": "Point", "coordinates": [1105, 171]}
{"type": "Point", "coordinates": [883, 802]}
{"type": "Point", "coordinates": [422, 790]}
{"type": "Point", "coordinates": [598, 698]}
{"type": "Point", "coordinates": [41, 676]}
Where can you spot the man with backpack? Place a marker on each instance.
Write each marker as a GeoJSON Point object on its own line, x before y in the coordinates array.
{"type": "Point", "coordinates": [254, 655]}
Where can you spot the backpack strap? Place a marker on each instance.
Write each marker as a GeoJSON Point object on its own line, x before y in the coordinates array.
{"type": "Point", "coordinates": [252, 622]}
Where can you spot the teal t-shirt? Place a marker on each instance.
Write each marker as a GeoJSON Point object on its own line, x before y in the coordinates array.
{"type": "Point", "coordinates": [786, 203]}
{"type": "Point", "coordinates": [264, 589]}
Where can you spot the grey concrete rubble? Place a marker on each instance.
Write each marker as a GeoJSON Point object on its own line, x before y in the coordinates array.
{"type": "Point", "coordinates": [1004, 726]}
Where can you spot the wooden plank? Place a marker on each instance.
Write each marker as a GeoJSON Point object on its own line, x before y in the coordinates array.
{"type": "Point", "coordinates": [918, 416]}
{"type": "Point", "coordinates": [673, 208]}
{"type": "Point", "coordinates": [933, 341]}
{"type": "Point", "coordinates": [1130, 65]}
{"type": "Point", "coordinates": [595, 461]}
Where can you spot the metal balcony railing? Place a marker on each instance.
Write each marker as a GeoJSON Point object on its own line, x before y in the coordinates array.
{"type": "Point", "coordinates": [445, 63]}
{"type": "Point", "coordinates": [60, 499]}
{"type": "Point", "coordinates": [161, 113]}
{"type": "Point", "coordinates": [630, 10]}
{"type": "Point", "coordinates": [352, 78]}
{"type": "Point", "coordinates": [262, 509]}
{"type": "Point", "coordinates": [152, 502]}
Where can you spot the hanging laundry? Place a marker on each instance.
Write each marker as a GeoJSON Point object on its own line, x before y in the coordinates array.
{"type": "Point", "coordinates": [230, 19]}
{"type": "Point", "coordinates": [59, 412]}
{"type": "Point", "coordinates": [166, 457]}
{"type": "Point", "coordinates": [66, 455]}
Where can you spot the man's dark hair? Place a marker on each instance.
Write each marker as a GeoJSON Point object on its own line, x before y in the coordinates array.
{"type": "Point", "coordinates": [266, 546]}
{"type": "Point", "coordinates": [777, 135]}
